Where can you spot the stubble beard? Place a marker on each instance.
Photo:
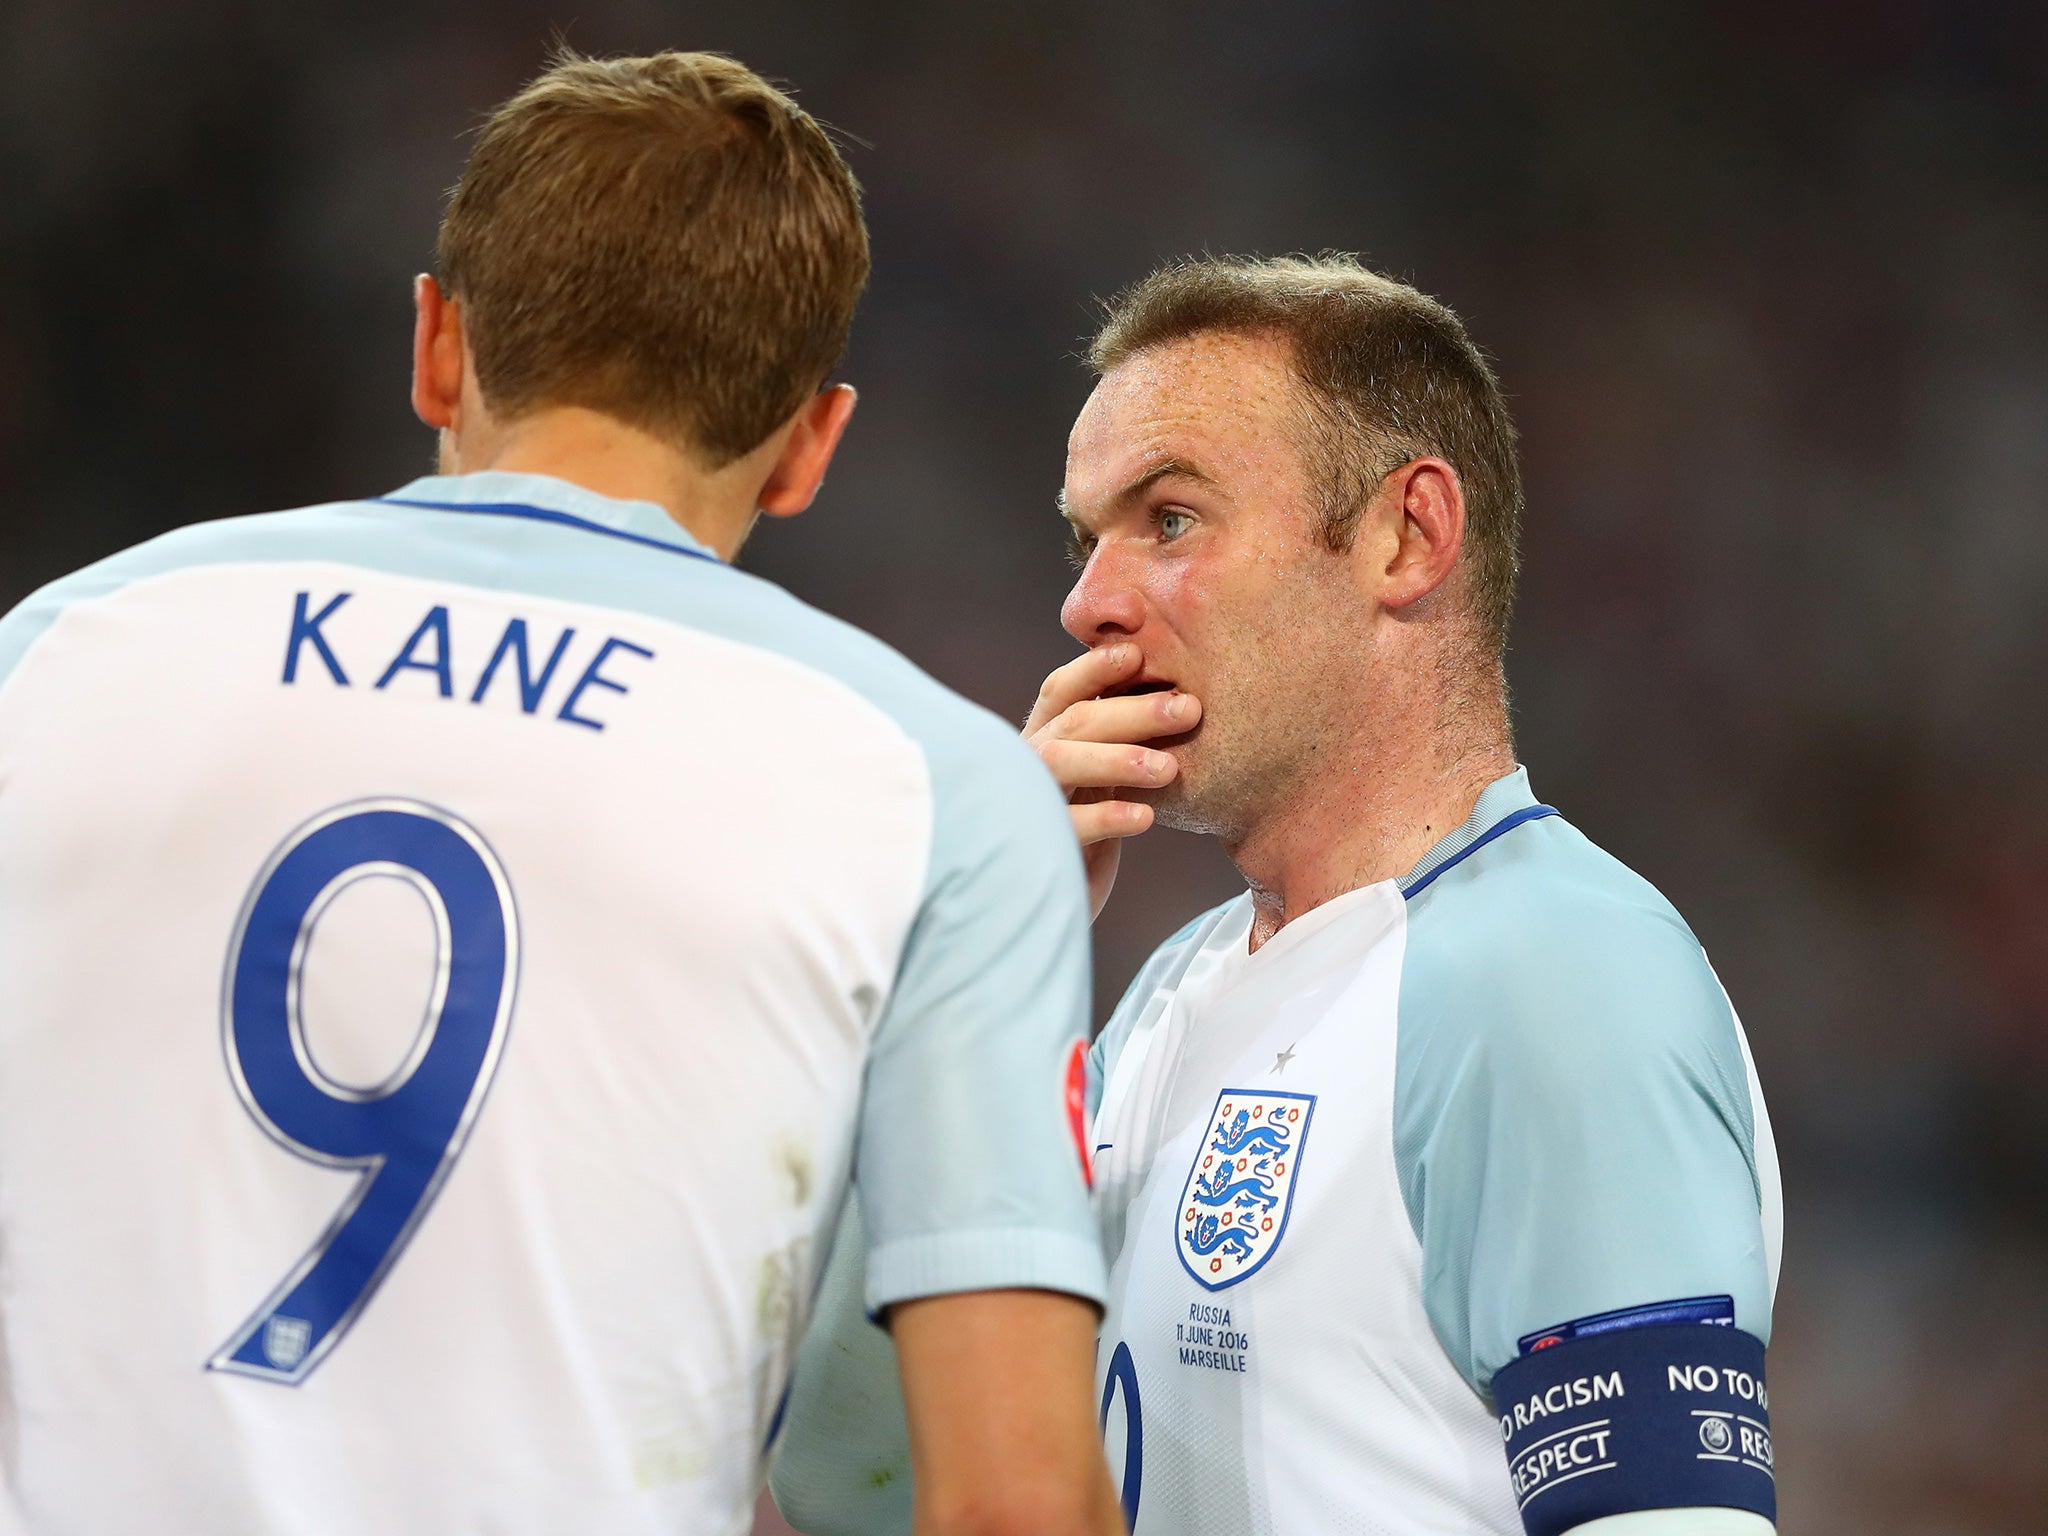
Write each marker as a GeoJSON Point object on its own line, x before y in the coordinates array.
{"type": "Point", "coordinates": [1248, 759]}
{"type": "Point", "coordinates": [1228, 779]}
{"type": "Point", "coordinates": [1187, 808]}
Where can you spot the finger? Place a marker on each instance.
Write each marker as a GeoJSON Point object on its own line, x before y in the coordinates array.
{"type": "Point", "coordinates": [1082, 678]}
{"type": "Point", "coordinates": [1128, 717]}
{"type": "Point", "coordinates": [1105, 819]}
{"type": "Point", "coordinates": [1102, 765]}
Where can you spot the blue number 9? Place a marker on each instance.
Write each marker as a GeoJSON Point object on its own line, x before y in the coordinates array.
{"type": "Point", "coordinates": [406, 1132]}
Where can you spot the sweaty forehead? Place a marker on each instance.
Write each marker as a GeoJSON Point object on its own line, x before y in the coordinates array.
{"type": "Point", "coordinates": [1225, 402]}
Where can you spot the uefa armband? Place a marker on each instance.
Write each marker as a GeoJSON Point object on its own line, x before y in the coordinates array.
{"type": "Point", "coordinates": [1644, 1409]}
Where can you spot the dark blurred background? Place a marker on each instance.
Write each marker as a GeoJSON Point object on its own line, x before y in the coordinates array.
{"type": "Point", "coordinates": [1767, 283]}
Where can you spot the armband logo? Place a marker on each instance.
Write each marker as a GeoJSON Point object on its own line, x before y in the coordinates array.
{"type": "Point", "coordinates": [1076, 1089]}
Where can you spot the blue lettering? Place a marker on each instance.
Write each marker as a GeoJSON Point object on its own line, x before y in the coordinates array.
{"type": "Point", "coordinates": [305, 629]}
{"type": "Point", "coordinates": [590, 679]}
{"type": "Point", "coordinates": [436, 621]}
{"type": "Point", "coordinates": [530, 687]}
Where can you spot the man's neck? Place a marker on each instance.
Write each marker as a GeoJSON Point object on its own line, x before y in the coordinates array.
{"type": "Point", "coordinates": [605, 455]}
{"type": "Point", "coordinates": [1373, 807]}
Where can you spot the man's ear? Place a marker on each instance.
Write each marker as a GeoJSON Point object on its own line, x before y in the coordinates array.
{"type": "Point", "coordinates": [1424, 507]}
{"type": "Point", "coordinates": [814, 436]}
{"type": "Point", "coordinates": [437, 355]}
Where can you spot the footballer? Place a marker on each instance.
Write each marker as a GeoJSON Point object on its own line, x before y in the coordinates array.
{"type": "Point", "coordinates": [459, 945]}
{"type": "Point", "coordinates": [1433, 1171]}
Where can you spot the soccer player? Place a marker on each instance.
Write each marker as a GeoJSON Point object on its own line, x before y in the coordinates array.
{"type": "Point", "coordinates": [457, 945]}
{"type": "Point", "coordinates": [1443, 1138]}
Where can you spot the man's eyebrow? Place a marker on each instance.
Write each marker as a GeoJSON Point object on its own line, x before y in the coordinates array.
{"type": "Point", "coordinates": [1169, 468]}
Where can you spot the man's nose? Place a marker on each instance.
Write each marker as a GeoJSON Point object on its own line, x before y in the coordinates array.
{"type": "Point", "coordinates": [1104, 604]}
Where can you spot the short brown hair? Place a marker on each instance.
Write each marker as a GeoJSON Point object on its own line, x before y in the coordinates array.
{"type": "Point", "coordinates": [669, 240]}
{"type": "Point", "coordinates": [1388, 375]}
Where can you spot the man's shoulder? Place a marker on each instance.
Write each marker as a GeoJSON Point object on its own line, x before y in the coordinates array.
{"type": "Point", "coordinates": [1167, 964]}
{"type": "Point", "coordinates": [1542, 946]}
{"type": "Point", "coordinates": [1541, 902]}
{"type": "Point", "coordinates": [1160, 974]}
{"type": "Point", "coordinates": [580, 566]}
{"type": "Point", "coordinates": [1182, 944]}
{"type": "Point", "coordinates": [216, 542]}
{"type": "Point", "coordinates": [1575, 1124]}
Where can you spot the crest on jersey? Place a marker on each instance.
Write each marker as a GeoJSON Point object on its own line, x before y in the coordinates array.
{"type": "Point", "coordinates": [1233, 1212]}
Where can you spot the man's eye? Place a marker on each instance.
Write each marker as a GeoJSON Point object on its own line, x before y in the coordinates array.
{"type": "Point", "coordinates": [1173, 524]}
{"type": "Point", "coordinates": [1079, 547]}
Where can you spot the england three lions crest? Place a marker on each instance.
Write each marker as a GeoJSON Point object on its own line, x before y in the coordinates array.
{"type": "Point", "coordinates": [1233, 1212]}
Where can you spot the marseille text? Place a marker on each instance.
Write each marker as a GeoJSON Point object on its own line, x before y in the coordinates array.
{"type": "Point", "coordinates": [1207, 1339]}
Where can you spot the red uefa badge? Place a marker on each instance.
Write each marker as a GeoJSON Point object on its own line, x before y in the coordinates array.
{"type": "Point", "coordinates": [1077, 1108]}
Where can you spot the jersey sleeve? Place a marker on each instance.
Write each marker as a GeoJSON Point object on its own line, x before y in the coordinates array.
{"type": "Point", "coordinates": [967, 1163]}
{"type": "Point", "coordinates": [843, 1468]}
{"type": "Point", "coordinates": [967, 1174]}
{"type": "Point", "coordinates": [1574, 1127]}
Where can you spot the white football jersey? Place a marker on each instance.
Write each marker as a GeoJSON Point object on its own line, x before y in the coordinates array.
{"type": "Point", "coordinates": [455, 951]}
{"type": "Point", "coordinates": [1344, 1178]}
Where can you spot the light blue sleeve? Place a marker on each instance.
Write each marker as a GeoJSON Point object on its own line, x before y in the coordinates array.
{"type": "Point", "coordinates": [967, 1168]}
{"type": "Point", "coordinates": [1573, 1128]}
{"type": "Point", "coordinates": [843, 1468]}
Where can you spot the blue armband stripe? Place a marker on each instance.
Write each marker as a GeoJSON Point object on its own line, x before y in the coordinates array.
{"type": "Point", "coordinates": [1662, 1417]}
{"type": "Point", "coordinates": [1718, 1310]}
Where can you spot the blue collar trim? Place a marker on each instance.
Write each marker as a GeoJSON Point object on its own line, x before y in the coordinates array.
{"type": "Point", "coordinates": [549, 515]}
{"type": "Point", "coordinates": [1506, 824]}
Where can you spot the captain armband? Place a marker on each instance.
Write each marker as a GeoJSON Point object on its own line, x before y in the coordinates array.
{"type": "Point", "coordinates": [1644, 1409]}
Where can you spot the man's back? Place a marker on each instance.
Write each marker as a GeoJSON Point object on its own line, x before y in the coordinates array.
{"type": "Point", "coordinates": [442, 949]}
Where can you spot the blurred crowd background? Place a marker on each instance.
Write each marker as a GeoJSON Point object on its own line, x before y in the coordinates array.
{"type": "Point", "coordinates": [1768, 286]}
